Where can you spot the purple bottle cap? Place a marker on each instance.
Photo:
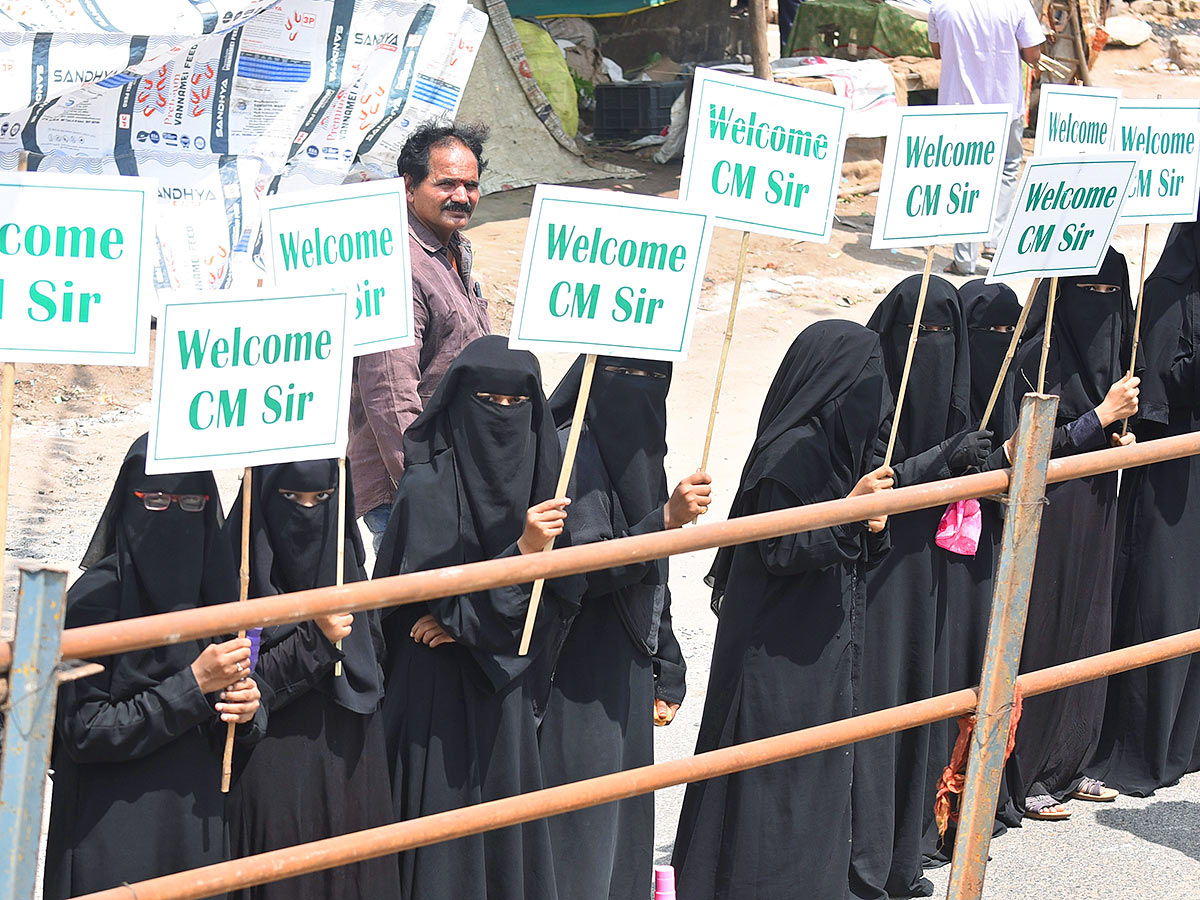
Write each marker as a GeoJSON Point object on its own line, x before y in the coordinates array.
{"type": "Point", "coordinates": [664, 883]}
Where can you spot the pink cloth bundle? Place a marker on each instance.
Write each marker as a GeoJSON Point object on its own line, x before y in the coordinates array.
{"type": "Point", "coordinates": [960, 528]}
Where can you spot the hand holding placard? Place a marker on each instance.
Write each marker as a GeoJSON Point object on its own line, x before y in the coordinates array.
{"type": "Point", "coordinates": [769, 161]}
{"type": "Point", "coordinates": [940, 184]}
{"type": "Point", "coordinates": [606, 273]}
{"type": "Point", "coordinates": [1062, 222]}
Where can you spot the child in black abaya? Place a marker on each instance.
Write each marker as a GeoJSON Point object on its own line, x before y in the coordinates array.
{"type": "Point", "coordinates": [137, 749]}
{"type": "Point", "coordinates": [481, 464]}
{"type": "Point", "coordinates": [789, 645]}
{"type": "Point", "coordinates": [321, 769]}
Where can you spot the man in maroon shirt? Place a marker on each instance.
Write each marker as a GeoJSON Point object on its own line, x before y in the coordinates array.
{"type": "Point", "coordinates": [441, 164]}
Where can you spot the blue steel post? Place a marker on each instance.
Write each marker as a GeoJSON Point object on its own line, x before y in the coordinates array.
{"type": "Point", "coordinates": [1006, 632]}
{"type": "Point", "coordinates": [28, 726]}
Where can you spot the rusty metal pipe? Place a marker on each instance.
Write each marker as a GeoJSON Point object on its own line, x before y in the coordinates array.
{"type": "Point", "coordinates": [169, 628]}
{"type": "Point", "coordinates": [1113, 662]}
{"type": "Point", "coordinates": [1005, 637]}
{"type": "Point", "coordinates": [386, 839]}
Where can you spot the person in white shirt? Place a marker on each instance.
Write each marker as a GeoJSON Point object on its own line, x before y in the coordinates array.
{"type": "Point", "coordinates": [981, 46]}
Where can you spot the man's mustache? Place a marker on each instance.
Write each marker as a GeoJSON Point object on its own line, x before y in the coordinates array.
{"type": "Point", "coordinates": [455, 206]}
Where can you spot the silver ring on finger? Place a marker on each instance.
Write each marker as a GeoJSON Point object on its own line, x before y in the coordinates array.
{"type": "Point", "coordinates": [240, 667]}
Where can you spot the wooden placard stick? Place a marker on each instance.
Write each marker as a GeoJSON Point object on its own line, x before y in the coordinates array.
{"type": "Point", "coordinates": [1008, 356]}
{"type": "Point", "coordinates": [912, 348]}
{"type": "Point", "coordinates": [8, 384]}
{"type": "Point", "coordinates": [564, 479]}
{"type": "Point", "coordinates": [243, 593]}
{"type": "Point", "coordinates": [341, 541]}
{"type": "Point", "coordinates": [737, 290]}
{"type": "Point", "coordinates": [8, 381]}
{"type": "Point", "coordinates": [1046, 336]}
{"type": "Point", "coordinates": [1137, 316]}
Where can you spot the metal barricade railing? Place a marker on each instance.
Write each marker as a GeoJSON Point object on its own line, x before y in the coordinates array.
{"type": "Point", "coordinates": [37, 652]}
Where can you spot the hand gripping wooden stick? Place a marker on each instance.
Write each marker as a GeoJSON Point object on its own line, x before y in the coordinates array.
{"type": "Point", "coordinates": [244, 592]}
{"type": "Point", "coordinates": [1137, 316]}
{"type": "Point", "coordinates": [564, 479]}
{"type": "Point", "coordinates": [912, 347]}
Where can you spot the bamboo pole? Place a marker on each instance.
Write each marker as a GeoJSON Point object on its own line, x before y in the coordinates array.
{"type": "Point", "coordinates": [912, 347]}
{"type": "Point", "coordinates": [341, 541]}
{"type": "Point", "coordinates": [737, 290]}
{"type": "Point", "coordinates": [243, 594]}
{"type": "Point", "coordinates": [8, 381]}
{"type": "Point", "coordinates": [564, 479]}
{"type": "Point", "coordinates": [1008, 356]}
{"type": "Point", "coordinates": [760, 55]}
{"type": "Point", "coordinates": [1137, 316]}
{"type": "Point", "coordinates": [1085, 74]}
{"type": "Point", "coordinates": [1041, 384]}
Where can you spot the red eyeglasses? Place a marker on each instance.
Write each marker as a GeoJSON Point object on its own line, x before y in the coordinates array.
{"type": "Point", "coordinates": [157, 501]}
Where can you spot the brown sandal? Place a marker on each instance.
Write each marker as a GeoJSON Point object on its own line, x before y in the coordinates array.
{"type": "Point", "coordinates": [1045, 808]}
{"type": "Point", "coordinates": [1094, 791]}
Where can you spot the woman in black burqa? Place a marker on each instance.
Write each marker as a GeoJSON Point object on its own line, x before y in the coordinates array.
{"type": "Point", "coordinates": [137, 749]}
{"type": "Point", "coordinates": [991, 312]}
{"type": "Point", "coordinates": [621, 666]}
{"type": "Point", "coordinates": [907, 652]}
{"type": "Point", "coordinates": [1151, 733]}
{"type": "Point", "coordinates": [1070, 599]}
{"type": "Point", "coordinates": [321, 770]}
{"type": "Point", "coordinates": [481, 464]}
{"type": "Point", "coordinates": [789, 644]}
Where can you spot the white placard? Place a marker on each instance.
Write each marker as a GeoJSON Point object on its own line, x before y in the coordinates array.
{"type": "Point", "coordinates": [351, 238]}
{"type": "Point", "coordinates": [764, 157]}
{"type": "Point", "coordinates": [1063, 216]}
{"type": "Point", "coordinates": [610, 273]}
{"type": "Point", "coordinates": [941, 175]}
{"type": "Point", "coordinates": [1165, 136]}
{"type": "Point", "coordinates": [251, 380]}
{"type": "Point", "coordinates": [75, 268]}
{"type": "Point", "coordinates": [1074, 120]}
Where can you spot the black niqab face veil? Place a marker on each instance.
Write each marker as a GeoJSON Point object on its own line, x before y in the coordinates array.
{"type": "Point", "coordinates": [161, 561]}
{"type": "Point", "coordinates": [937, 404]}
{"type": "Point", "coordinates": [294, 548]}
{"type": "Point", "coordinates": [1091, 341]}
{"type": "Point", "coordinates": [833, 373]}
{"type": "Point", "coordinates": [987, 307]}
{"type": "Point", "coordinates": [491, 462]}
{"type": "Point", "coordinates": [627, 418]}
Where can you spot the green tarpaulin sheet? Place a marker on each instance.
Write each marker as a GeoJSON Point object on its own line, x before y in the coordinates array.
{"type": "Point", "coordinates": [857, 29]}
{"type": "Point", "coordinates": [591, 8]}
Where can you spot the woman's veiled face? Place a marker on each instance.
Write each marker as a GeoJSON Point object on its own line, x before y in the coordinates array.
{"type": "Point", "coordinates": [637, 373]}
{"type": "Point", "coordinates": [307, 499]}
{"type": "Point", "coordinates": [1099, 288]}
{"type": "Point", "coordinates": [502, 399]}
